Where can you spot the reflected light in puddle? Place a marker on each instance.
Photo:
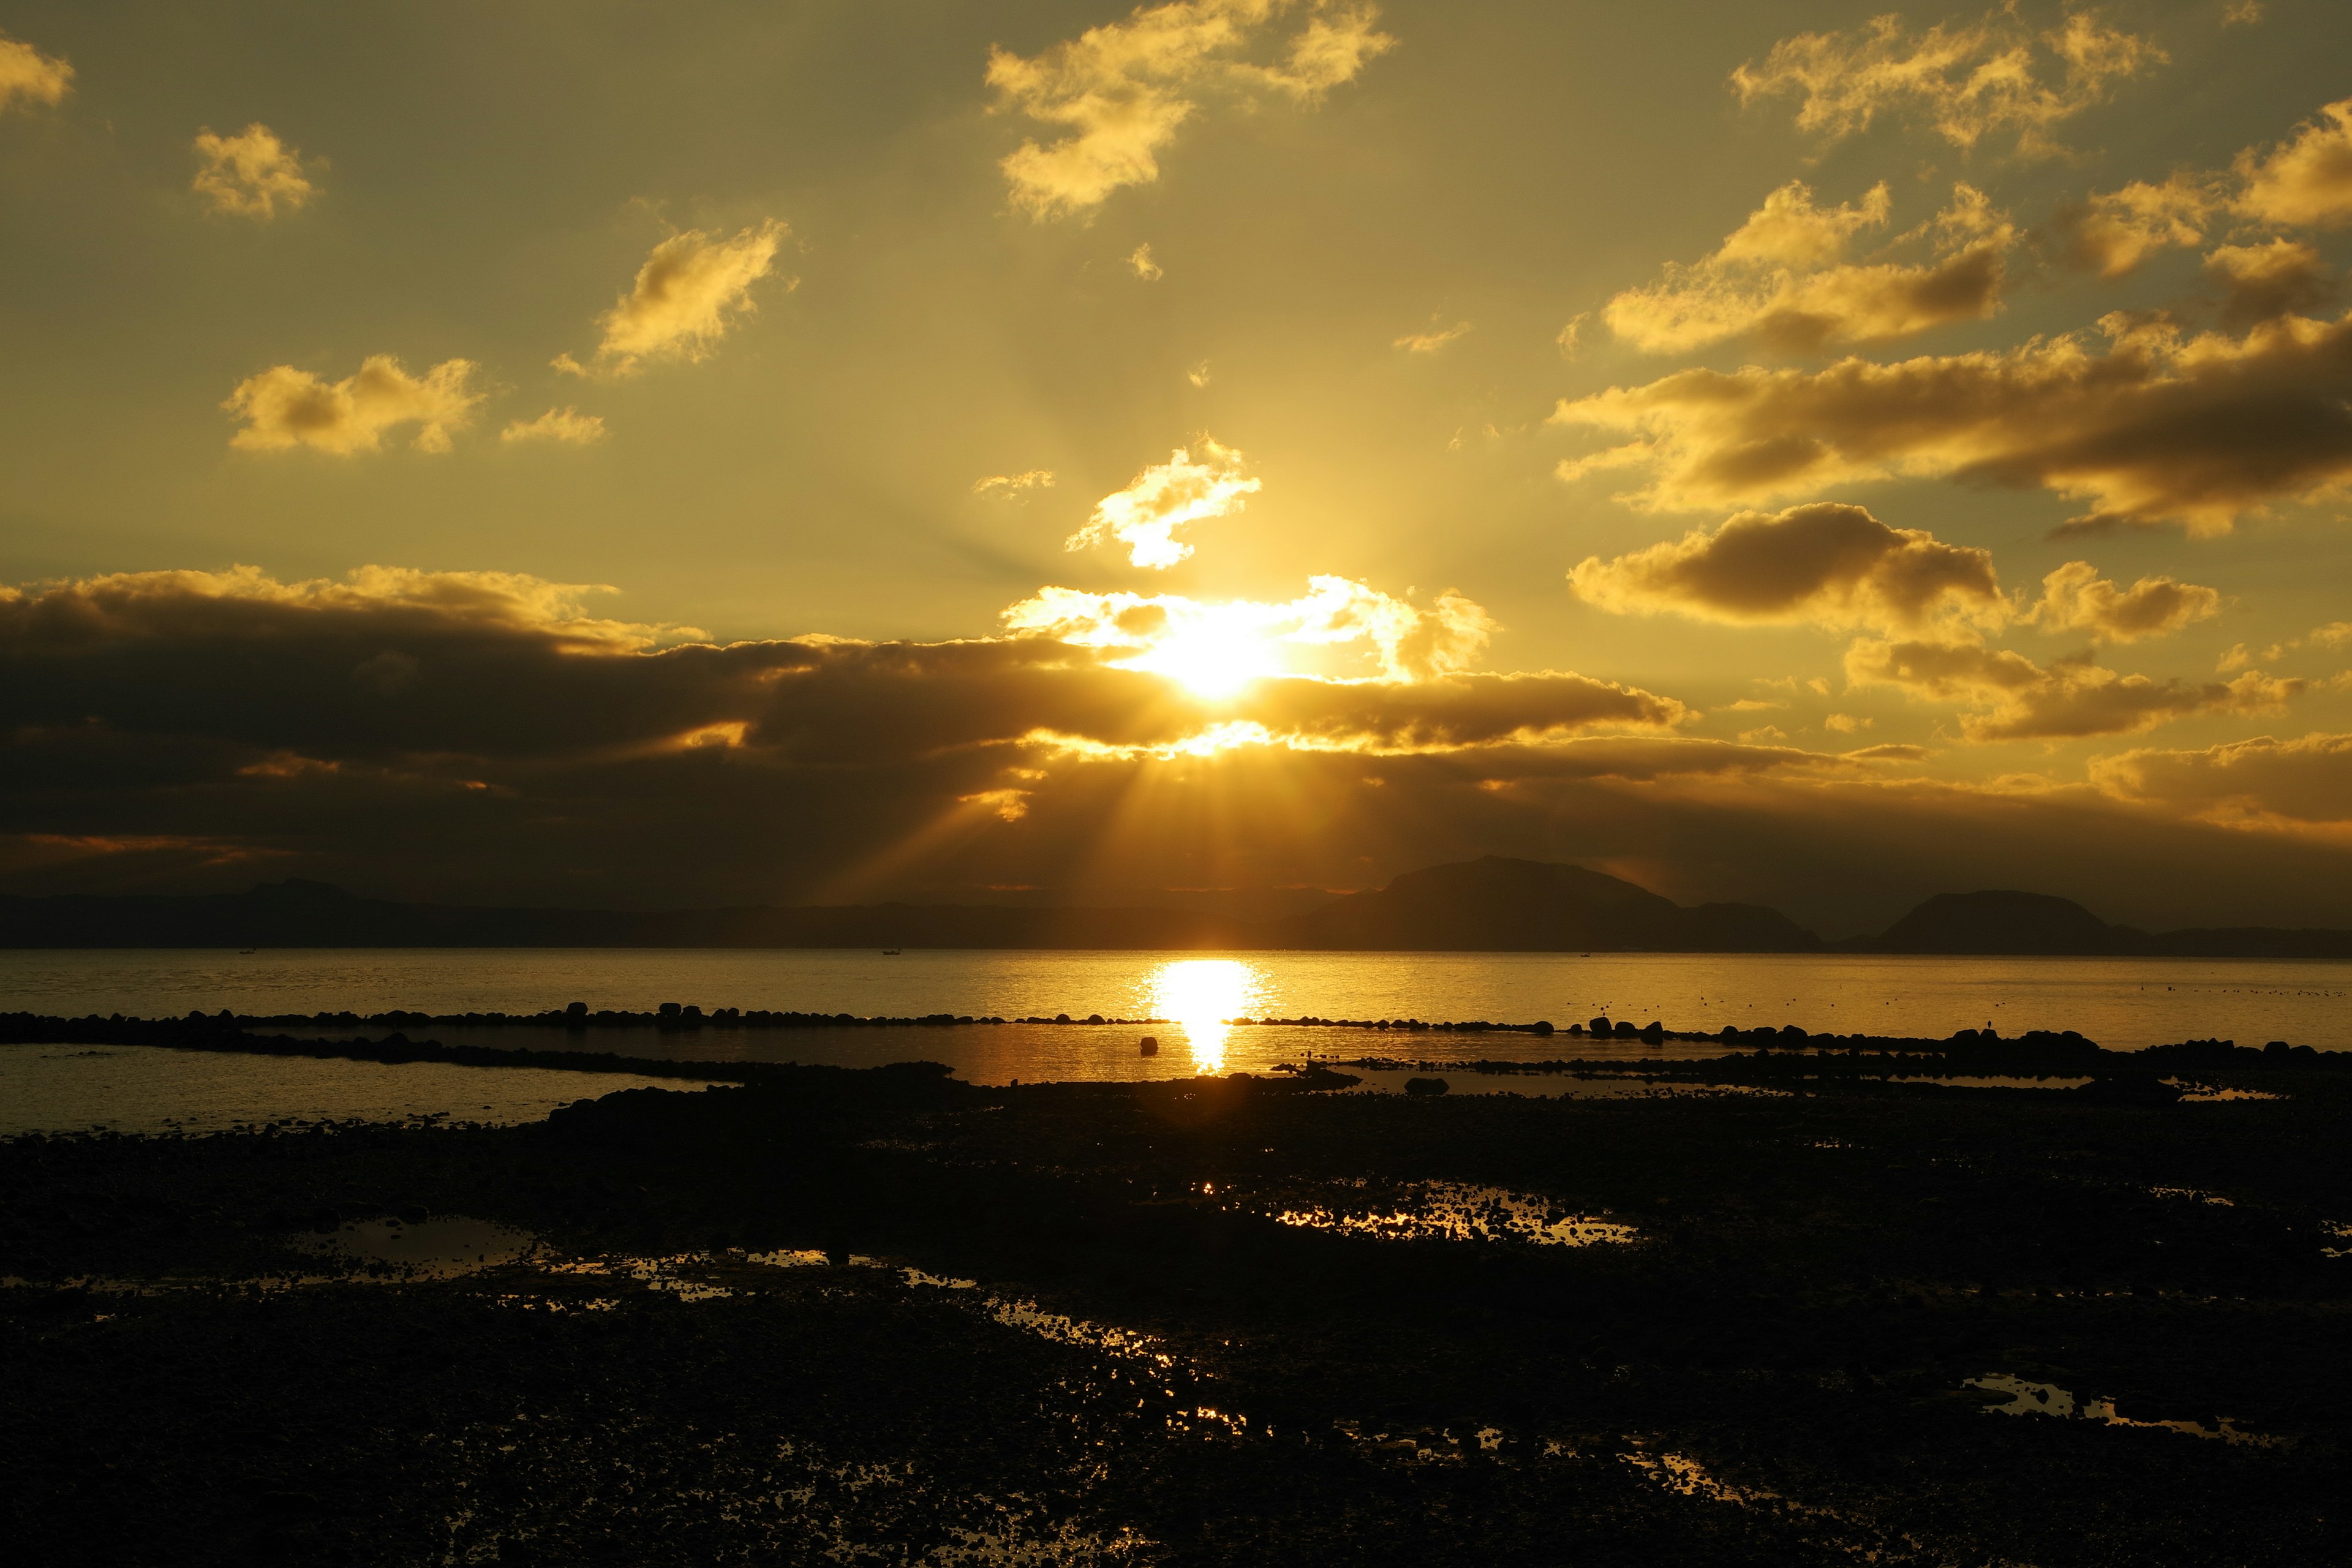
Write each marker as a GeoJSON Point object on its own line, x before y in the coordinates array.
{"type": "Point", "coordinates": [1199, 995]}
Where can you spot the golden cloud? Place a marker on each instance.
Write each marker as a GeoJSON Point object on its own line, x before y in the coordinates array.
{"type": "Point", "coordinates": [1143, 267]}
{"type": "Point", "coordinates": [2258, 783]}
{"type": "Point", "coordinates": [1993, 77]}
{"type": "Point", "coordinates": [1826, 564]}
{"type": "Point", "coordinates": [689, 293]}
{"type": "Point", "coordinates": [566, 426]}
{"type": "Point", "coordinates": [29, 77]}
{"type": "Point", "coordinates": [1167, 496]}
{"type": "Point", "coordinates": [2074, 597]}
{"type": "Point", "coordinates": [250, 173]}
{"type": "Point", "coordinates": [2283, 277]}
{"type": "Point", "coordinates": [2199, 429]}
{"type": "Point", "coordinates": [1119, 91]}
{"type": "Point", "coordinates": [2116, 231]}
{"type": "Point", "coordinates": [2016, 700]}
{"type": "Point", "coordinates": [1010, 485]}
{"type": "Point", "coordinates": [2306, 180]}
{"type": "Point", "coordinates": [1429, 342]}
{"type": "Point", "coordinates": [284, 407]}
{"type": "Point", "coordinates": [1779, 278]}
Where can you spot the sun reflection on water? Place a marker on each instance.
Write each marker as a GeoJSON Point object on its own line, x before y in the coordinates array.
{"type": "Point", "coordinates": [1198, 995]}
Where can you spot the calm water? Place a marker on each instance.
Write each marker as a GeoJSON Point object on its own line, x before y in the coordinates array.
{"type": "Point", "coordinates": [2123, 1003]}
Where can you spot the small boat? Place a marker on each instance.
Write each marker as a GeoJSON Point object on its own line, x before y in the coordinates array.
{"type": "Point", "coordinates": [246, 951]}
{"type": "Point", "coordinates": [889, 953]}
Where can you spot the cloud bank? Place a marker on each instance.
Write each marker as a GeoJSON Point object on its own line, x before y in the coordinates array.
{"type": "Point", "coordinates": [2162, 426]}
{"type": "Point", "coordinates": [28, 76]}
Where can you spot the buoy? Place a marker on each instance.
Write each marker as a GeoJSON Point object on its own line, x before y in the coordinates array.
{"type": "Point", "coordinates": [1150, 1045]}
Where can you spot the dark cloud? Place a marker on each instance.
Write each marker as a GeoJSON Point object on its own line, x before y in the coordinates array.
{"type": "Point", "coordinates": [2262, 782]}
{"type": "Point", "coordinates": [2015, 699]}
{"type": "Point", "coordinates": [2160, 427]}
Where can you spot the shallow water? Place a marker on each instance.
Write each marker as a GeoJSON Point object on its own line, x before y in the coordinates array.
{"type": "Point", "coordinates": [146, 1089]}
{"type": "Point", "coordinates": [2122, 1004]}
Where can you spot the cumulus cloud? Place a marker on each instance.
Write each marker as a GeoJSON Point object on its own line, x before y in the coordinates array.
{"type": "Point", "coordinates": [2306, 180]}
{"type": "Point", "coordinates": [2163, 425]}
{"type": "Point", "coordinates": [1429, 342]}
{"type": "Point", "coordinates": [2258, 783]}
{"type": "Point", "coordinates": [2074, 597]}
{"type": "Point", "coordinates": [1008, 486]}
{"type": "Point", "coordinates": [691, 292]}
{"type": "Point", "coordinates": [1780, 278]}
{"type": "Point", "coordinates": [1167, 496]}
{"type": "Point", "coordinates": [28, 76]}
{"type": "Point", "coordinates": [2281, 278]}
{"type": "Point", "coordinates": [1970, 82]}
{"type": "Point", "coordinates": [1118, 93]}
{"type": "Point", "coordinates": [565, 426]}
{"type": "Point", "coordinates": [1826, 563]}
{"type": "Point", "coordinates": [1143, 267]}
{"type": "Point", "coordinates": [251, 174]}
{"type": "Point", "coordinates": [284, 407]}
{"type": "Point", "coordinates": [2013, 699]}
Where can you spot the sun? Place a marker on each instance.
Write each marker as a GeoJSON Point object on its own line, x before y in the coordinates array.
{"type": "Point", "coordinates": [1213, 654]}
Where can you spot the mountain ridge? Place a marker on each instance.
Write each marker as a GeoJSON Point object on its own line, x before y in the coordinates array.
{"type": "Point", "coordinates": [1493, 904]}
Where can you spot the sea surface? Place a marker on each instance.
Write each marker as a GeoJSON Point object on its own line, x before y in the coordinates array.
{"type": "Point", "coordinates": [2122, 1004]}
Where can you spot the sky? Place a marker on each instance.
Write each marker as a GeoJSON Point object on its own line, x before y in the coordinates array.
{"type": "Point", "coordinates": [1209, 453]}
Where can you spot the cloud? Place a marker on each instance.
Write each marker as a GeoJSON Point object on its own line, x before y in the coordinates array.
{"type": "Point", "coordinates": [1161, 631]}
{"type": "Point", "coordinates": [1994, 76]}
{"type": "Point", "coordinates": [469, 739]}
{"type": "Point", "coordinates": [1009, 485]}
{"type": "Point", "coordinates": [1164, 498]}
{"type": "Point", "coordinates": [1826, 564]}
{"type": "Point", "coordinates": [2335, 634]}
{"type": "Point", "coordinates": [2199, 429]}
{"type": "Point", "coordinates": [2115, 232]}
{"type": "Point", "coordinates": [2261, 782]}
{"type": "Point", "coordinates": [251, 172]}
{"type": "Point", "coordinates": [1119, 91]}
{"type": "Point", "coordinates": [284, 407]}
{"type": "Point", "coordinates": [567, 426]}
{"type": "Point", "coordinates": [690, 292]}
{"type": "Point", "coordinates": [28, 76]}
{"type": "Point", "coordinates": [2242, 13]}
{"type": "Point", "coordinates": [1429, 342]}
{"type": "Point", "coordinates": [2074, 597]}
{"type": "Point", "coordinates": [2014, 699]}
{"type": "Point", "coordinates": [1143, 267]}
{"type": "Point", "coordinates": [2306, 180]}
{"type": "Point", "coordinates": [2283, 277]}
{"type": "Point", "coordinates": [1780, 279]}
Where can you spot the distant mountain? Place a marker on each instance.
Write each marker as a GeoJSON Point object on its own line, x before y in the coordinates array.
{"type": "Point", "coordinates": [2005, 921]}
{"type": "Point", "coordinates": [1490, 905]}
{"type": "Point", "coordinates": [1499, 905]}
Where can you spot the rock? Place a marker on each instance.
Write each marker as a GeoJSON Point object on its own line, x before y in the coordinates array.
{"type": "Point", "coordinates": [1653, 1033]}
{"type": "Point", "coordinates": [1600, 1028]}
{"type": "Point", "coordinates": [1149, 1045]}
{"type": "Point", "coordinates": [1424, 1085]}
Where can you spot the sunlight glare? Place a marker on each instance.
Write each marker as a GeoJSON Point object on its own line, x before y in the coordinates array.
{"type": "Point", "coordinates": [1212, 655]}
{"type": "Point", "coordinates": [1198, 995]}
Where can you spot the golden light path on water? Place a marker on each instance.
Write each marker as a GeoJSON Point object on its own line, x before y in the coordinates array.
{"type": "Point", "coordinates": [1200, 996]}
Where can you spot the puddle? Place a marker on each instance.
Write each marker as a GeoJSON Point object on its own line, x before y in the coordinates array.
{"type": "Point", "coordinates": [441, 1248]}
{"type": "Point", "coordinates": [2196, 1195]}
{"type": "Point", "coordinates": [1985, 1081]}
{"type": "Point", "coordinates": [1460, 1081]}
{"type": "Point", "coordinates": [2207, 1094]}
{"type": "Point", "coordinates": [2030, 1398]}
{"type": "Point", "coordinates": [1457, 1211]}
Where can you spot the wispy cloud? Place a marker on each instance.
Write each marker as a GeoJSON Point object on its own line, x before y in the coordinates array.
{"type": "Point", "coordinates": [1436, 338]}
{"type": "Point", "coordinates": [251, 174]}
{"type": "Point", "coordinates": [566, 426]}
{"type": "Point", "coordinates": [1011, 485]}
{"type": "Point", "coordinates": [1143, 267]}
{"type": "Point", "coordinates": [690, 292]}
{"type": "Point", "coordinates": [284, 407]}
{"type": "Point", "coordinates": [1119, 92]}
{"type": "Point", "coordinates": [1969, 82]}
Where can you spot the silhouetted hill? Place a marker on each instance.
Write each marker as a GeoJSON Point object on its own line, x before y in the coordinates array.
{"type": "Point", "coordinates": [2005, 921]}
{"type": "Point", "coordinates": [1499, 905]}
{"type": "Point", "coordinates": [1490, 905]}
